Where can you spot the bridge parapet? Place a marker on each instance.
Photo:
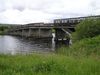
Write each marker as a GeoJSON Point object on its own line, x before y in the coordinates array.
{"type": "Point", "coordinates": [31, 25]}
{"type": "Point", "coordinates": [72, 21]}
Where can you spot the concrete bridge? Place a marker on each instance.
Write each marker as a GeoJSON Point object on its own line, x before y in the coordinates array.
{"type": "Point", "coordinates": [34, 30]}
{"type": "Point", "coordinates": [63, 28]}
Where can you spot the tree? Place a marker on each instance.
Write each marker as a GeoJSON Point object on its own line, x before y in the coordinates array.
{"type": "Point", "coordinates": [87, 29]}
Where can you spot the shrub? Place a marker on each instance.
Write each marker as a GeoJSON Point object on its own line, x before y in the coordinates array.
{"type": "Point", "coordinates": [2, 28]}
{"type": "Point", "coordinates": [87, 29]}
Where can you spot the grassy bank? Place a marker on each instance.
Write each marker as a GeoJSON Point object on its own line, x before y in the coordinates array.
{"type": "Point", "coordinates": [82, 58]}
{"type": "Point", "coordinates": [48, 64]}
{"type": "Point", "coordinates": [83, 48]}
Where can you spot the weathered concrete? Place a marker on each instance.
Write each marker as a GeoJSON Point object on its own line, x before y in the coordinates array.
{"type": "Point", "coordinates": [34, 30]}
{"type": "Point", "coordinates": [63, 28]}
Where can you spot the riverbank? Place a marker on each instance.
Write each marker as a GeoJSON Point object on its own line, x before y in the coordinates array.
{"type": "Point", "coordinates": [48, 64]}
{"type": "Point", "coordinates": [80, 59]}
{"type": "Point", "coordinates": [83, 48]}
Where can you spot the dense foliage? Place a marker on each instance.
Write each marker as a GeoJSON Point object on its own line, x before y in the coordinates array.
{"type": "Point", "coordinates": [2, 28]}
{"type": "Point", "coordinates": [87, 29]}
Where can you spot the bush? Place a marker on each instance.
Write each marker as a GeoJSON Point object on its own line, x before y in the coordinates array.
{"type": "Point", "coordinates": [87, 29]}
{"type": "Point", "coordinates": [2, 28]}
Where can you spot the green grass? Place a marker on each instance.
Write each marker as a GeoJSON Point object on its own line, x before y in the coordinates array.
{"type": "Point", "coordinates": [83, 48]}
{"type": "Point", "coordinates": [48, 64]}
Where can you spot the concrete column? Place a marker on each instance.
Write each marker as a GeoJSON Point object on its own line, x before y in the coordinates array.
{"type": "Point", "coordinates": [22, 32]}
{"type": "Point", "coordinates": [39, 32]}
{"type": "Point", "coordinates": [29, 33]}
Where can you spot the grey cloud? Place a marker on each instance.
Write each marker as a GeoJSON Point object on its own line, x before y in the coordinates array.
{"type": "Point", "coordinates": [23, 11]}
{"type": "Point", "coordinates": [32, 4]}
{"type": "Point", "coordinates": [95, 4]}
{"type": "Point", "coordinates": [20, 8]}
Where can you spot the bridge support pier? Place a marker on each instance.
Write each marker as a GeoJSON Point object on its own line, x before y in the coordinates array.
{"type": "Point", "coordinates": [33, 33]}
{"type": "Point", "coordinates": [63, 36]}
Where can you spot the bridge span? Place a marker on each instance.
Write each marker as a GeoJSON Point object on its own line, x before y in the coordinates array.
{"type": "Point", "coordinates": [62, 27]}
{"type": "Point", "coordinates": [35, 30]}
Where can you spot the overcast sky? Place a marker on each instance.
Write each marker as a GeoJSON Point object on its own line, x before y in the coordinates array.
{"type": "Point", "coordinates": [30, 11]}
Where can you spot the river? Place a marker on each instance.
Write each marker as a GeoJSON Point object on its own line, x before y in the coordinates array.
{"type": "Point", "coordinates": [14, 45]}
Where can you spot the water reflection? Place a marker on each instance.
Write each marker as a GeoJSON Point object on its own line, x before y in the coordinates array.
{"type": "Point", "coordinates": [53, 42]}
{"type": "Point", "coordinates": [13, 45]}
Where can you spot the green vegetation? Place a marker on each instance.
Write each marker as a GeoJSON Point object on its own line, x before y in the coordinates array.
{"type": "Point", "coordinates": [48, 64]}
{"type": "Point", "coordinates": [3, 28]}
{"type": "Point", "coordinates": [83, 48]}
{"type": "Point", "coordinates": [86, 40]}
{"type": "Point", "coordinates": [87, 29]}
{"type": "Point", "coordinates": [53, 30]}
{"type": "Point", "coordinates": [82, 58]}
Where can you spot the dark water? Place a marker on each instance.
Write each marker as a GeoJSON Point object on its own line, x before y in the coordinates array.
{"type": "Point", "coordinates": [13, 45]}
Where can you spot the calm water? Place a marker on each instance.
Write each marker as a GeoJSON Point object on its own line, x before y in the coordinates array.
{"type": "Point", "coordinates": [13, 45]}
